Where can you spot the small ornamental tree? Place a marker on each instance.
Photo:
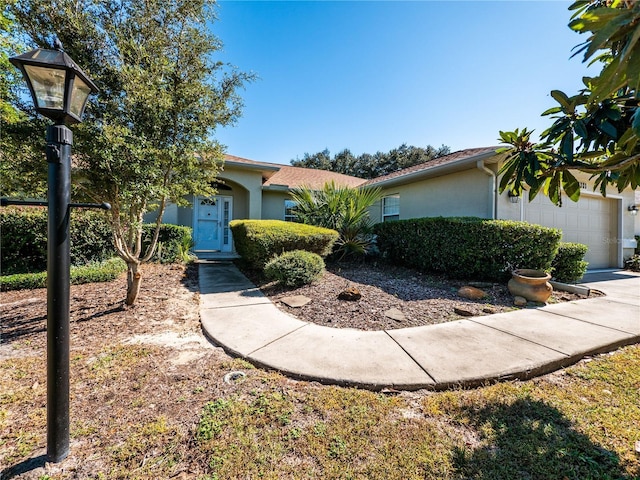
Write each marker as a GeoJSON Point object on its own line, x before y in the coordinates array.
{"type": "Point", "coordinates": [146, 139]}
{"type": "Point", "coordinates": [595, 131]}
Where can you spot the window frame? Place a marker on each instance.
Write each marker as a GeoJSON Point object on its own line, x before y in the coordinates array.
{"type": "Point", "coordinates": [395, 213]}
{"type": "Point", "coordinates": [288, 216]}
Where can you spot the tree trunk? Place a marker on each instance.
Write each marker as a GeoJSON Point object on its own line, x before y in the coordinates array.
{"type": "Point", "coordinates": [134, 279]}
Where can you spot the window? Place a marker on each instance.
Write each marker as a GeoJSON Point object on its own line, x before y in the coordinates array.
{"type": "Point", "coordinates": [391, 208]}
{"type": "Point", "coordinates": [289, 215]}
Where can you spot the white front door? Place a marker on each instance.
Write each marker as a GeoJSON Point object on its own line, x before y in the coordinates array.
{"type": "Point", "coordinates": [211, 224]}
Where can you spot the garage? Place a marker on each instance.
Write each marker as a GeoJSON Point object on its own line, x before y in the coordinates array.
{"type": "Point", "coordinates": [591, 221]}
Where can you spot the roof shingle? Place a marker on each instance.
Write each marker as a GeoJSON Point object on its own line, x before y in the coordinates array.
{"type": "Point", "coordinates": [454, 157]}
{"type": "Point", "coordinates": [293, 177]}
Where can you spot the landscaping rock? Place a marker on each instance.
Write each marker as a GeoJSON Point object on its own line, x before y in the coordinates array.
{"type": "Point", "coordinates": [295, 301]}
{"type": "Point", "coordinates": [471, 293]}
{"type": "Point", "coordinates": [463, 312]}
{"type": "Point", "coordinates": [489, 310]}
{"type": "Point", "coordinates": [481, 284]}
{"type": "Point", "coordinates": [395, 314]}
{"type": "Point", "coordinates": [520, 301]}
{"type": "Point", "coordinates": [351, 294]}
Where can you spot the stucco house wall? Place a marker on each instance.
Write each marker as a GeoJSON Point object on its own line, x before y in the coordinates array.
{"type": "Point", "coordinates": [273, 204]}
{"type": "Point", "coordinates": [462, 194]}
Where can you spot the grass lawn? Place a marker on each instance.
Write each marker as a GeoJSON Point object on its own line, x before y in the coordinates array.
{"type": "Point", "coordinates": [149, 402]}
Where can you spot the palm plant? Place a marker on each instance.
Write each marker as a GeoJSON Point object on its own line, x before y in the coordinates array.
{"type": "Point", "coordinates": [343, 209]}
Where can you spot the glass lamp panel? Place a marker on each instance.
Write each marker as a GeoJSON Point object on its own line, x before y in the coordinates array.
{"type": "Point", "coordinates": [79, 96]}
{"type": "Point", "coordinates": [48, 86]}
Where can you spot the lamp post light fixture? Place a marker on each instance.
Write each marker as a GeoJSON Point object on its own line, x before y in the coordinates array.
{"type": "Point", "coordinates": [60, 91]}
{"type": "Point", "coordinates": [513, 197]}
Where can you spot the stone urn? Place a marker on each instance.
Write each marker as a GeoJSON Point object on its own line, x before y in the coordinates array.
{"type": "Point", "coordinates": [531, 284]}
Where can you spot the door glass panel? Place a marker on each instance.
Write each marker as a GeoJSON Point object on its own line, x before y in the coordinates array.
{"type": "Point", "coordinates": [225, 223]}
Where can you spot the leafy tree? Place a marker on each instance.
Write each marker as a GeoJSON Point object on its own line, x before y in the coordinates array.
{"type": "Point", "coordinates": [16, 140]}
{"type": "Point", "coordinates": [319, 161]}
{"type": "Point", "coordinates": [343, 209]}
{"type": "Point", "coordinates": [146, 139]}
{"type": "Point", "coordinates": [595, 131]}
{"type": "Point", "coordinates": [371, 166]}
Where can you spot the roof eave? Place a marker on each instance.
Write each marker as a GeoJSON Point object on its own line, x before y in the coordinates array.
{"type": "Point", "coordinates": [276, 188]}
{"type": "Point", "coordinates": [440, 170]}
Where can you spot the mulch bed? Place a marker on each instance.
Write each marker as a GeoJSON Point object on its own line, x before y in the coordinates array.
{"type": "Point", "coordinates": [423, 299]}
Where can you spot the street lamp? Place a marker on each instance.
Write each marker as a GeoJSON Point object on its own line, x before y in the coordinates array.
{"type": "Point", "coordinates": [60, 91]}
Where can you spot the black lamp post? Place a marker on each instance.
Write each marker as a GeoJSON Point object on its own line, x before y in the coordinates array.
{"type": "Point", "coordinates": [60, 91]}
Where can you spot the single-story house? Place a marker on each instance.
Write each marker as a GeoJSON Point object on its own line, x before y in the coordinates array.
{"type": "Point", "coordinates": [463, 183]}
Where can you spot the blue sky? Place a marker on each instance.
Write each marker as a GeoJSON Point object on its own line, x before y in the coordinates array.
{"type": "Point", "coordinates": [371, 75]}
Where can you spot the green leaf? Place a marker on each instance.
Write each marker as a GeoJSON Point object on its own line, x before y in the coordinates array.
{"type": "Point", "coordinates": [635, 122]}
{"type": "Point", "coordinates": [608, 128]}
{"type": "Point", "coordinates": [554, 189]}
{"type": "Point", "coordinates": [561, 98]}
{"type": "Point", "coordinates": [566, 146]}
{"type": "Point", "coordinates": [605, 24]}
{"type": "Point", "coordinates": [633, 67]}
{"type": "Point", "coordinates": [610, 80]}
{"type": "Point", "coordinates": [581, 129]}
{"type": "Point", "coordinates": [630, 45]}
{"type": "Point", "coordinates": [570, 185]}
{"type": "Point", "coordinates": [551, 110]}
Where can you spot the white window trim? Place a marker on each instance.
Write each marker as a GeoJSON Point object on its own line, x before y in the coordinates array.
{"type": "Point", "coordinates": [396, 212]}
{"type": "Point", "coordinates": [289, 217]}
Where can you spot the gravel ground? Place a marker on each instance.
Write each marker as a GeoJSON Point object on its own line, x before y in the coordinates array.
{"type": "Point", "coordinates": [422, 299]}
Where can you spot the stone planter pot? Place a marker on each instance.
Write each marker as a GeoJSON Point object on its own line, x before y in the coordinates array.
{"type": "Point", "coordinates": [531, 284]}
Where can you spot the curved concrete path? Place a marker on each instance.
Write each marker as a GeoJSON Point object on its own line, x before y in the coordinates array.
{"type": "Point", "coordinates": [469, 352]}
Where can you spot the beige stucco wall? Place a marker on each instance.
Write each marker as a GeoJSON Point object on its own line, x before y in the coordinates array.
{"type": "Point", "coordinates": [273, 204]}
{"type": "Point", "coordinates": [462, 194]}
{"type": "Point", "coordinates": [251, 181]}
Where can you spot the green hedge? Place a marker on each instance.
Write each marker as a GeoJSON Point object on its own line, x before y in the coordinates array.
{"type": "Point", "coordinates": [94, 272]}
{"type": "Point", "coordinates": [295, 268]}
{"type": "Point", "coordinates": [468, 247]}
{"type": "Point", "coordinates": [23, 244]}
{"type": "Point", "coordinates": [568, 265]}
{"type": "Point", "coordinates": [174, 242]}
{"type": "Point", "coordinates": [258, 241]}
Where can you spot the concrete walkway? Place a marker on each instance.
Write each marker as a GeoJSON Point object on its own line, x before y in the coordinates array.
{"type": "Point", "coordinates": [469, 352]}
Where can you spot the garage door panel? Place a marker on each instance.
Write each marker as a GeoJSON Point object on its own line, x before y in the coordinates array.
{"type": "Point", "coordinates": [590, 221]}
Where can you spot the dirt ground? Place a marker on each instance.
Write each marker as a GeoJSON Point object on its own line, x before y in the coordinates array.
{"type": "Point", "coordinates": [116, 355]}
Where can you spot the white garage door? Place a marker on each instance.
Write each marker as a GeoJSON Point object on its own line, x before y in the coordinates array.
{"type": "Point", "coordinates": [591, 220]}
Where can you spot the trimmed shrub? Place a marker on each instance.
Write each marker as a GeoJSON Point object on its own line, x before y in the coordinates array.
{"type": "Point", "coordinates": [633, 263]}
{"type": "Point", "coordinates": [174, 242]}
{"type": "Point", "coordinates": [295, 268]}
{"type": "Point", "coordinates": [23, 244]}
{"type": "Point", "coordinates": [468, 247]}
{"type": "Point", "coordinates": [568, 265]}
{"type": "Point", "coordinates": [258, 241]}
{"type": "Point", "coordinates": [95, 272]}
{"type": "Point", "coordinates": [637, 250]}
